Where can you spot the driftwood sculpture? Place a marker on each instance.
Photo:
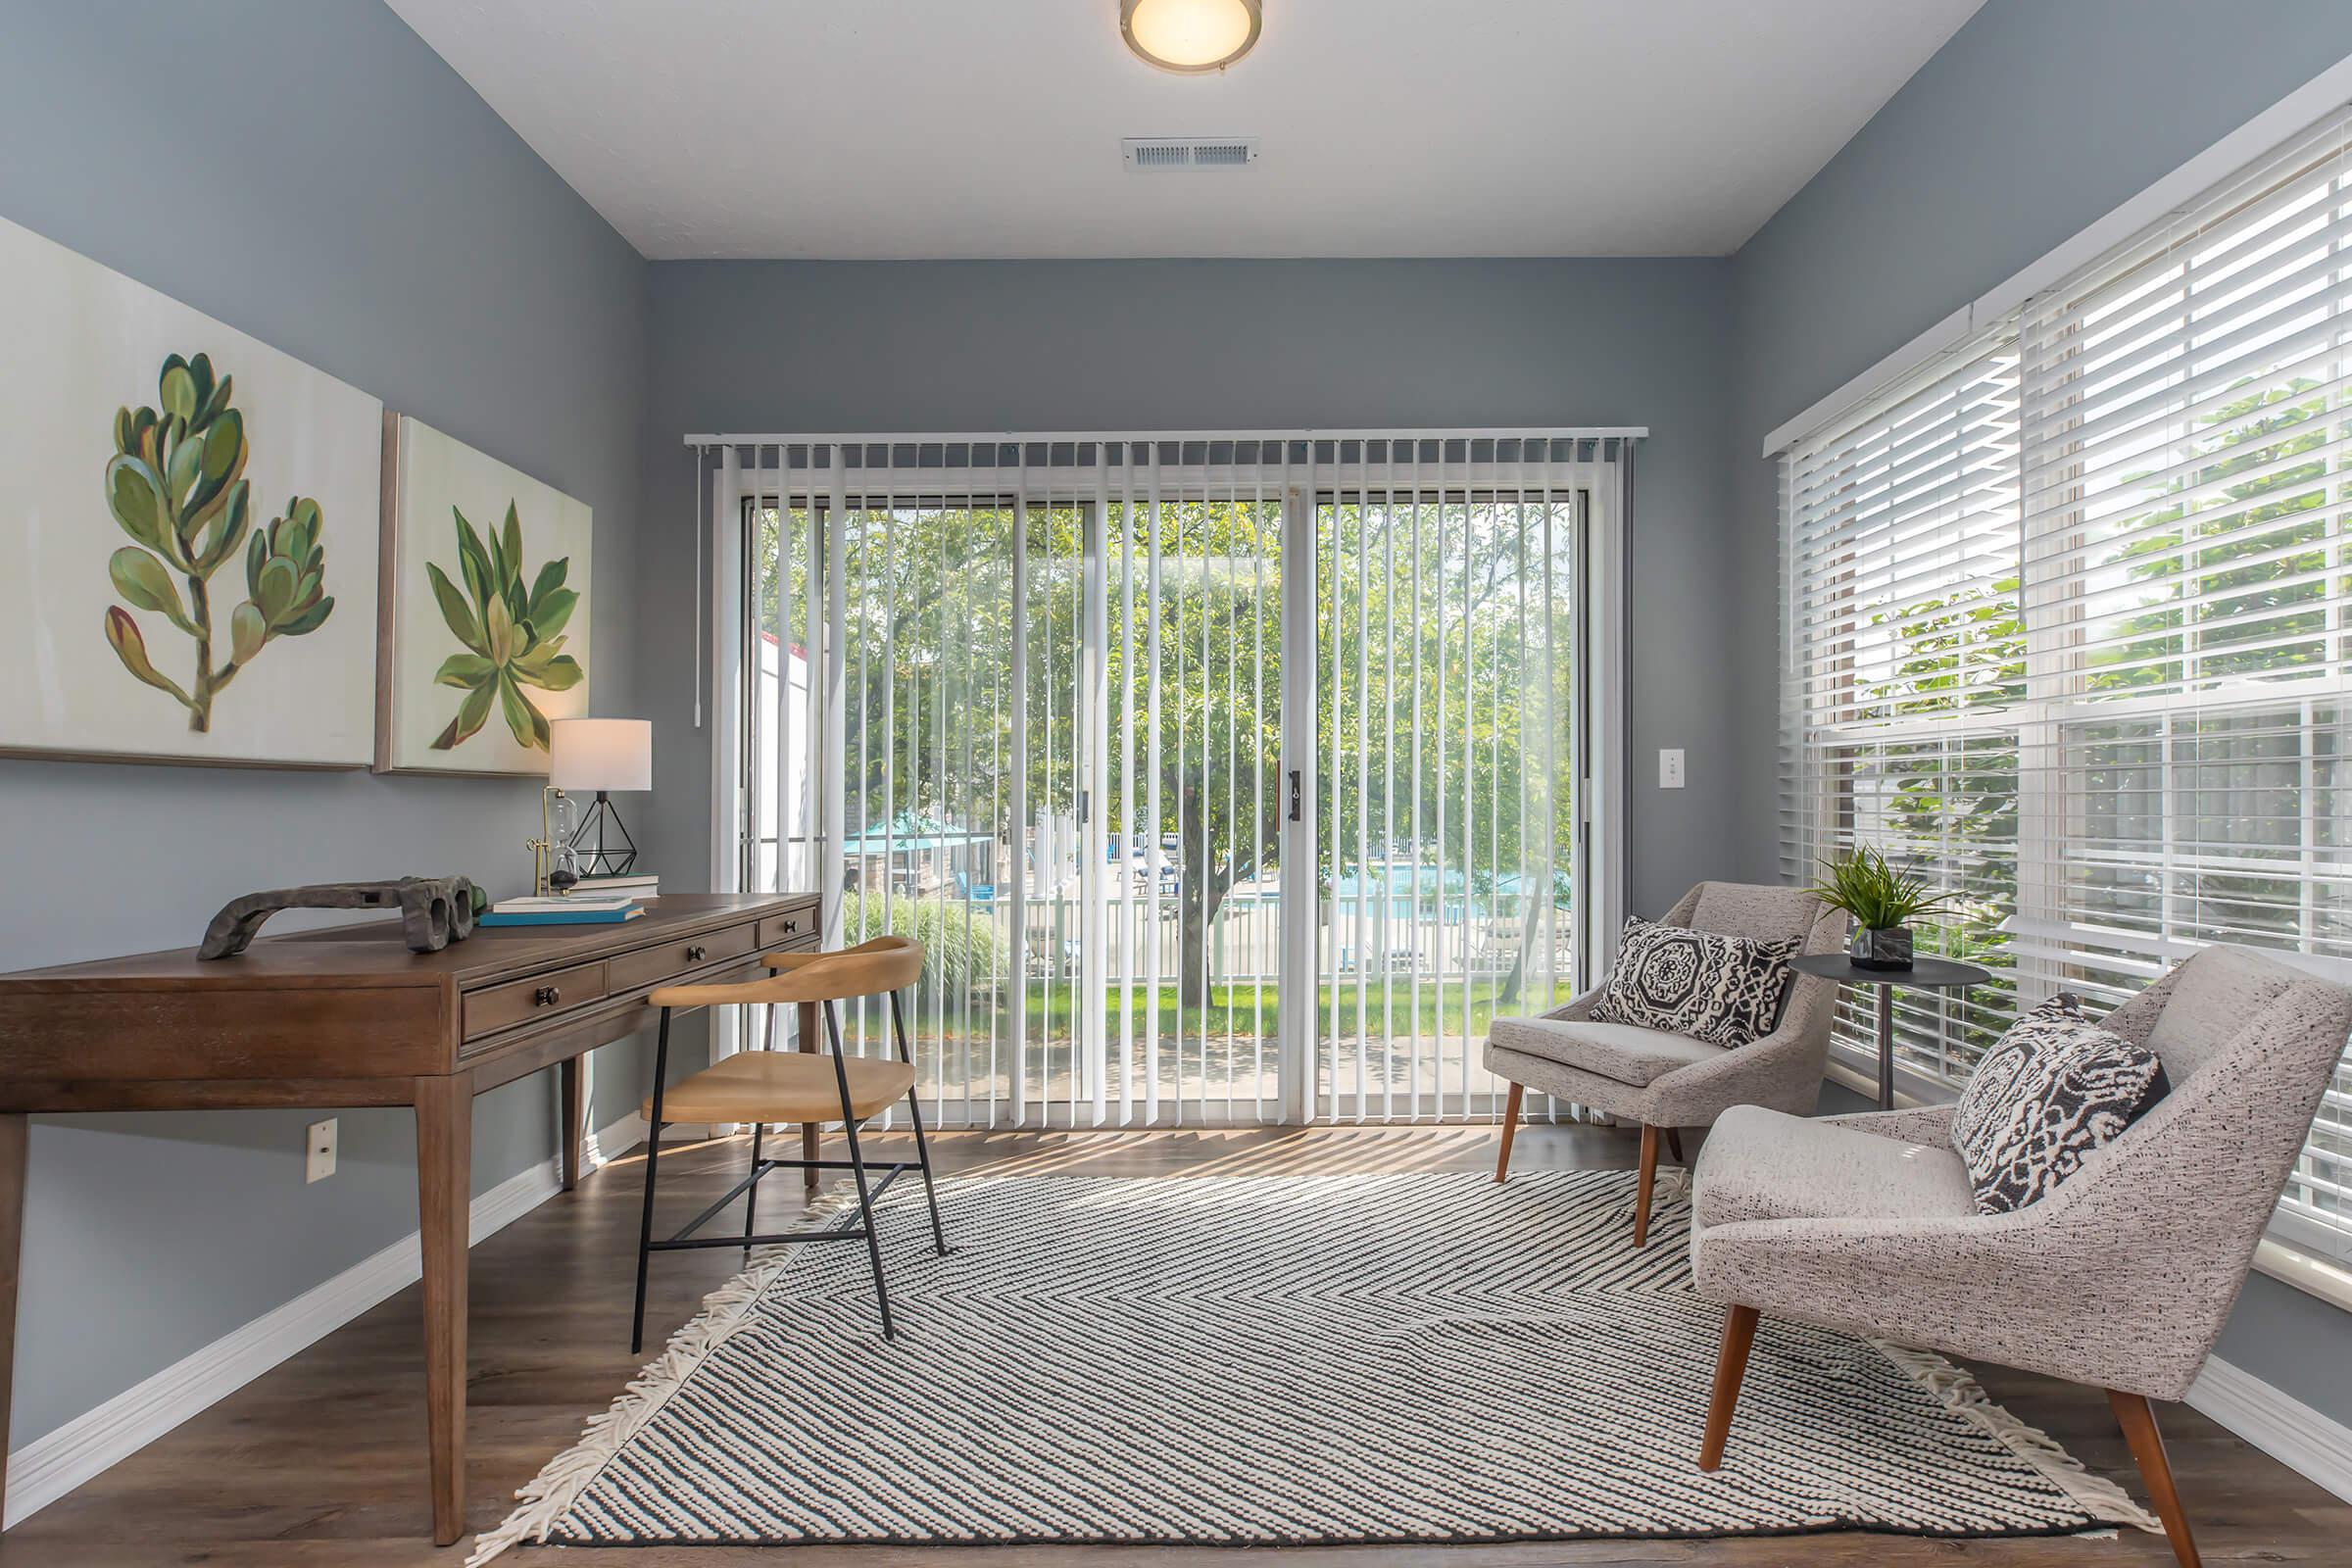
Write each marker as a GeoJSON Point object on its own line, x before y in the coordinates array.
{"type": "Point", "coordinates": [434, 910]}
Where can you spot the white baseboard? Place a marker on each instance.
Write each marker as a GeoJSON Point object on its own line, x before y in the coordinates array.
{"type": "Point", "coordinates": [2314, 1445]}
{"type": "Point", "coordinates": [625, 1134]}
{"type": "Point", "coordinates": [56, 1463]}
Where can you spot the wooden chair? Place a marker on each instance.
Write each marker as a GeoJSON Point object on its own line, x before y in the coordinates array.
{"type": "Point", "coordinates": [765, 1086]}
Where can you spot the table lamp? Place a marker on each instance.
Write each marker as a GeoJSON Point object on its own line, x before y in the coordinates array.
{"type": "Point", "coordinates": [602, 754]}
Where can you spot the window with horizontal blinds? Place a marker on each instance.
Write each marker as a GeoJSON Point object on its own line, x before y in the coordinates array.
{"type": "Point", "coordinates": [2187, 419]}
{"type": "Point", "coordinates": [2069, 619]}
{"type": "Point", "coordinates": [1904, 669]}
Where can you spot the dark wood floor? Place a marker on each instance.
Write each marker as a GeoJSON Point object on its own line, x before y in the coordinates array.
{"type": "Point", "coordinates": [322, 1461]}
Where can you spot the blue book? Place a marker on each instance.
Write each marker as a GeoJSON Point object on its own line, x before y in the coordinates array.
{"type": "Point", "coordinates": [558, 916]}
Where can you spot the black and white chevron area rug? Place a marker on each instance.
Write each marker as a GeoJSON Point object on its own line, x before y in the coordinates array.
{"type": "Point", "coordinates": [1263, 1360]}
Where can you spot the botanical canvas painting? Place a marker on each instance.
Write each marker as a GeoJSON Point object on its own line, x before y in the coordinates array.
{"type": "Point", "coordinates": [195, 517]}
{"type": "Point", "coordinates": [486, 608]}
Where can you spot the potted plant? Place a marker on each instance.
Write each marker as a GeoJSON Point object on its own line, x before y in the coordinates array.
{"type": "Point", "coordinates": [1882, 902]}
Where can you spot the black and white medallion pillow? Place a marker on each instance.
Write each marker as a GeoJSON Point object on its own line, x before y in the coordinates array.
{"type": "Point", "coordinates": [1721, 989]}
{"type": "Point", "coordinates": [2055, 1088]}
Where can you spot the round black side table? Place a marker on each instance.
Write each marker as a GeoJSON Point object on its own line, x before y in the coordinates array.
{"type": "Point", "coordinates": [1934, 974]}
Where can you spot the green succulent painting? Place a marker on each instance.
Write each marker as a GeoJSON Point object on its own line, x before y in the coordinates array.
{"type": "Point", "coordinates": [177, 485]}
{"type": "Point", "coordinates": [513, 636]}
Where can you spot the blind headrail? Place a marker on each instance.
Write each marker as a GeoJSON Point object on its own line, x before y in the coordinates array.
{"type": "Point", "coordinates": [1390, 433]}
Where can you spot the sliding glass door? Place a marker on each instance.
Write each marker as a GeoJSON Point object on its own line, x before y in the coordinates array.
{"type": "Point", "coordinates": [1144, 738]}
{"type": "Point", "coordinates": [1449, 711]}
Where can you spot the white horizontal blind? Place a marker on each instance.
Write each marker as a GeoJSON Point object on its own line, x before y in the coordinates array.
{"type": "Point", "coordinates": [2092, 671]}
{"type": "Point", "coordinates": [2185, 483]}
{"type": "Point", "coordinates": [1903, 669]}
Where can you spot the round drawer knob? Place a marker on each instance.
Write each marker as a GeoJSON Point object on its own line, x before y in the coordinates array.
{"type": "Point", "coordinates": [792, 925]}
{"type": "Point", "coordinates": [697, 953]}
{"type": "Point", "coordinates": [547, 997]}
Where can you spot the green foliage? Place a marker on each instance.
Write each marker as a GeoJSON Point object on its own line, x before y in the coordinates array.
{"type": "Point", "coordinates": [2230, 571]}
{"type": "Point", "coordinates": [513, 636]}
{"type": "Point", "coordinates": [961, 948]}
{"type": "Point", "coordinates": [176, 486]}
{"type": "Point", "coordinates": [1865, 885]}
{"type": "Point", "coordinates": [2229, 557]}
{"type": "Point", "coordinates": [1417, 611]}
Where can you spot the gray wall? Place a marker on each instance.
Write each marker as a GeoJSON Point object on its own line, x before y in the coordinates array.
{"type": "Point", "coordinates": [307, 171]}
{"type": "Point", "coordinates": [2033, 120]}
{"type": "Point", "coordinates": [787, 346]}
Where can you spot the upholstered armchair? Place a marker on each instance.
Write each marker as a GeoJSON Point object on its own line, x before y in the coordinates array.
{"type": "Point", "coordinates": [2119, 1278]}
{"type": "Point", "coordinates": [1667, 1081]}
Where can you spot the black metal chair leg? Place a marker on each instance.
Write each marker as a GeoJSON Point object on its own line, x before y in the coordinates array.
{"type": "Point", "coordinates": [751, 1198]}
{"type": "Point", "coordinates": [653, 1155]}
{"type": "Point", "coordinates": [915, 1114]}
{"type": "Point", "coordinates": [865, 1201]}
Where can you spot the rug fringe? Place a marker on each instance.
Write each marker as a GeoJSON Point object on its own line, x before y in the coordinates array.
{"type": "Point", "coordinates": [550, 1495]}
{"type": "Point", "coordinates": [1965, 1397]}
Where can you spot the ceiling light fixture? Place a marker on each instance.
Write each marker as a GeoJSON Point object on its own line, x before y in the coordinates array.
{"type": "Point", "coordinates": [1190, 37]}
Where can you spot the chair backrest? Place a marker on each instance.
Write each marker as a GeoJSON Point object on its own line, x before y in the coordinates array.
{"type": "Point", "coordinates": [1761, 911]}
{"type": "Point", "coordinates": [1768, 913]}
{"type": "Point", "coordinates": [869, 969]}
{"type": "Point", "coordinates": [2249, 1045]}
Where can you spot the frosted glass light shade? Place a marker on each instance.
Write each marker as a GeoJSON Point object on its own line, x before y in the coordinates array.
{"type": "Point", "coordinates": [600, 754]}
{"type": "Point", "coordinates": [1190, 37]}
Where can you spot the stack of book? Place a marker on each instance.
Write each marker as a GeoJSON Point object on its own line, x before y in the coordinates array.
{"type": "Point", "coordinates": [637, 885]}
{"type": "Point", "coordinates": [576, 908]}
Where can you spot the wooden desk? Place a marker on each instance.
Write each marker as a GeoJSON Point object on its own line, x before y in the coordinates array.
{"type": "Point", "coordinates": [352, 1017]}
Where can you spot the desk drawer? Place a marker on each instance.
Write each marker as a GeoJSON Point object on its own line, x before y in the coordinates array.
{"type": "Point", "coordinates": [669, 960]}
{"type": "Point", "coordinates": [496, 1008]}
{"type": "Point", "coordinates": [795, 930]}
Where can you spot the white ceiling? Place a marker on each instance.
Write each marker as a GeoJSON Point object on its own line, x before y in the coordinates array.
{"type": "Point", "coordinates": [874, 129]}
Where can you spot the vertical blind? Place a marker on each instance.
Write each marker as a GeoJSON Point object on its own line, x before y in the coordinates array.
{"type": "Point", "coordinates": [2068, 618]}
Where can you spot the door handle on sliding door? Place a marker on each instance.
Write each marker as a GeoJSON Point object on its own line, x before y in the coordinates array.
{"type": "Point", "coordinates": [1295, 795]}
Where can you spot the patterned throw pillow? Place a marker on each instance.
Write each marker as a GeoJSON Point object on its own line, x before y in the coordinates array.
{"type": "Point", "coordinates": [2057, 1088]}
{"type": "Point", "coordinates": [1723, 990]}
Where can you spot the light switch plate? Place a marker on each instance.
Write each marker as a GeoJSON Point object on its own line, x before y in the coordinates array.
{"type": "Point", "coordinates": [1670, 768]}
{"type": "Point", "coordinates": [319, 1151]}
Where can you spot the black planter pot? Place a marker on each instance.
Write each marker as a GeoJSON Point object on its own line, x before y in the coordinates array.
{"type": "Point", "coordinates": [1887, 949]}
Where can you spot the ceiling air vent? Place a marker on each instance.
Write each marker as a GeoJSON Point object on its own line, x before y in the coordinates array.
{"type": "Point", "coordinates": [1168, 154]}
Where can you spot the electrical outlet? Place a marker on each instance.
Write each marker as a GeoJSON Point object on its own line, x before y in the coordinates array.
{"type": "Point", "coordinates": [1670, 768]}
{"type": "Point", "coordinates": [319, 1151]}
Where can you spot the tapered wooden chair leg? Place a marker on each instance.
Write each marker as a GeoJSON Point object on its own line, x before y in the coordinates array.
{"type": "Point", "coordinates": [1510, 1130]}
{"type": "Point", "coordinates": [1648, 1179]}
{"type": "Point", "coordinates": [1674, 1145]}
{"type": "Point", "coordinates": [2139, 1421]}
{"type": "Point", "coordinates": [1731, 1366]}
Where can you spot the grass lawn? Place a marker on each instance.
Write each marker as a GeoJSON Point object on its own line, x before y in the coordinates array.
{"type": "Point", "coordinates": [1383, 1003]}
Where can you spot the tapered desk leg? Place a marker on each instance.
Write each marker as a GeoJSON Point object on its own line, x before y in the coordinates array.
{"type": "Point", "coordinates": [568, 1074]}
{"type": "Point", "coordinates": [1886, 1046]}
{"type": "Point", "coordinates": [11, 1236]}
{"type": "Point", "coordinates": [444, 1172]}
{"type": "Point", "coordinates": [808, 1128]}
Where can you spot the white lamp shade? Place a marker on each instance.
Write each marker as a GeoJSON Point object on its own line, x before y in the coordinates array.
{"type": "Point", "coordinates": [602, 754]}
